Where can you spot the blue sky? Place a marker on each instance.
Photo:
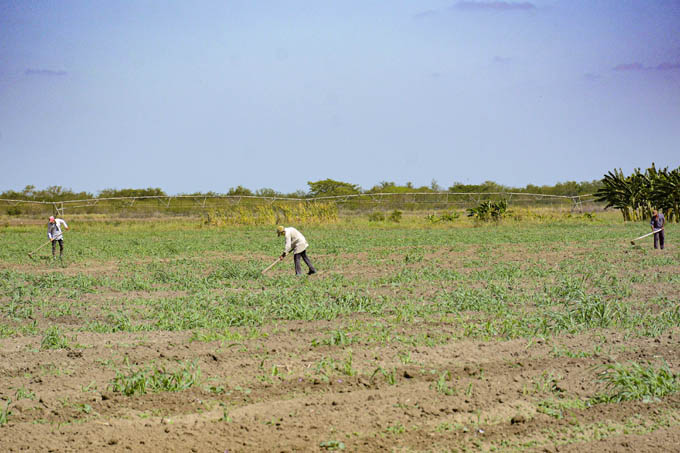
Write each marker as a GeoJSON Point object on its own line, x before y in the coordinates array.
{"type": "Point", "coordinates": [207, 95]}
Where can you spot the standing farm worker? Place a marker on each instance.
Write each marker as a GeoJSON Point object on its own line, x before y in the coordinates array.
{"type": "Point", "coordinates": [55, 234]}
{"type": "Point", "coordinates": [296, 243]}
{"type": "Point", "coordinates": [658, 223]}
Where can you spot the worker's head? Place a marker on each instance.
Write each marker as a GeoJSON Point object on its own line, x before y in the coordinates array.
{"type": "Point", "coordinates": [280, 230]}
{"type": "Point", "coordinates": [655, 213]}
{"type": "Point", "coordinates": [51, 219]}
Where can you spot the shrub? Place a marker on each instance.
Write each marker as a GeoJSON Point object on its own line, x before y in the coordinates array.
{"type": "Point", "coordinates": [376, 217]}
{"type": "Point", "coordinates": [395, 216]}
{"type": "Point", "coordinates": [444, 217]}
{"type": "Point", "coordinates": [489, 210]}
{"type": "Point", "coordinates": [449, 216]}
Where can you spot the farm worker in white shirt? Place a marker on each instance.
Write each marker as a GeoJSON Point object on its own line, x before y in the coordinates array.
{"type": "Point", "coordinates": [54, 233]}
{"type": "Point", "coordinates": [296, 243]}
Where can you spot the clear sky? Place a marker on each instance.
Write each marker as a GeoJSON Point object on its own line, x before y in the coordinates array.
{"type": "Point", "coordinates": [205, 95]}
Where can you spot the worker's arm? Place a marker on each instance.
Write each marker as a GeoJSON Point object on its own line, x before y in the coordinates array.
{"type": "Point", "coordinates": [288, 246]}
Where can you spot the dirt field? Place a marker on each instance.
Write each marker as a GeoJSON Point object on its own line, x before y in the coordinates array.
{"type": "Point", "coordinates": [414, 338]}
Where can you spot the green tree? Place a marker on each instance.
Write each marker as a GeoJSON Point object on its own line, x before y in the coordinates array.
{"type": "Point", "coordinates": [117, 193]}
{"type": "Point", "coordinates": [392, 187]}
{"type": "Point", "coordinates": [487, 186]}
{"type": "Point", "coordinates": [267, 192]}
{"type": "Point", "coordinates": [330, 187]}
{"type": "Point", "coordinates": [240, 190]}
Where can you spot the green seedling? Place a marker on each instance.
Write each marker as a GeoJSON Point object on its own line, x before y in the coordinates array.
{"type": "Point", "coordinates": [155, 379]}
{"type": "Point", "coordinates": [636, 382]}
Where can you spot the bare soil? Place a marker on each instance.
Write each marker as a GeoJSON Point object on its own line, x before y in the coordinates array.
{"type": "Point", "coordinates": [270, 394]}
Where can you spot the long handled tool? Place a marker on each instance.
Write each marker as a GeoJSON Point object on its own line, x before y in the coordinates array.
{"type": "Point", "coordinates": [645, 235]}
{"type": "Point", "coordinates": [30, 254]}
{"type": "Point", "coordinates": [271, 265]}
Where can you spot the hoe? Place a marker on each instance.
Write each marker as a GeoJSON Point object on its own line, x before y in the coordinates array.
{"type": "Point", "coordinates": [645, 235]}
{"type": "Point", "coordinates": [271, 265]}
{"type": "Point", "coordinates": [30, 254]}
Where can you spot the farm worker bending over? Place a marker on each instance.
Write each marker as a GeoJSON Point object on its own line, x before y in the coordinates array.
{"type": "Point", "coordinates": [55, 235]}
{"type": "Point", "coordinates": [296, 243]}
{"type": "Point", "coordinates": [658, 223]}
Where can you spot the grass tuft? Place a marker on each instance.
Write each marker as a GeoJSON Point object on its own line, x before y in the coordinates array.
{"type": "Point", "coordinates": [154, 379]}
{"type": "Point", "coordinates": [54, 339]}
{"type": "Point", "coordinates": [5, 413]}
{"type": "Point", "coordinates": [636, 382]}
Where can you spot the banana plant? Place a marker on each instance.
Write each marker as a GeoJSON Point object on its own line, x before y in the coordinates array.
{"type": "Point", "coordinates": [638, 194]}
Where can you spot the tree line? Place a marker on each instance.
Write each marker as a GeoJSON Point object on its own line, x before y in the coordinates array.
{"type": "Point", "coordinates": [321, 188]}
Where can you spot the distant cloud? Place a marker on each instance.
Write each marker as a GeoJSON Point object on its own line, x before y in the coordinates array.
{"type": "Point", "coordinates": [665, 66]}
{"type": "Point", "coordinates": [668, 66]}
{"type": "Point", "coordinates": [425, 14]}
{"type": "Point", "coordinates": [44, 72]}
{"type": "Point", "coordinates": [629, 67]}
{"type": "Point", "coordinates": [493, 6]}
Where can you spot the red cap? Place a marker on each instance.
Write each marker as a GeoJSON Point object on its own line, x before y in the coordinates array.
{"type": "Point", "coordinates": [51, 218]}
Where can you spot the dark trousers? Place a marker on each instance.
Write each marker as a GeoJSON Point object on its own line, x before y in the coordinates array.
{"type": "Point", "coordinates": [298, 268]}
{"type": "Point", "coordinates": [61, 247]}
{"type": "Point", "coordinates": [659, 239]}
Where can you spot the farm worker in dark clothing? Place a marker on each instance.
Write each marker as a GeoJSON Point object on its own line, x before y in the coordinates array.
{"type": "Point", "coordinates": [658, 223]}
{"type": "Point", "coordinates": [296, 243]}
{"type": "Point", "coordinates": [55, 235]}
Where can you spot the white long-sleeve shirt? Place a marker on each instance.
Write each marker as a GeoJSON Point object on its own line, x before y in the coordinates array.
{"type": "Point", "coordinates": [295, 241]}
{"type": "Point", "coordinates": [54, 229]}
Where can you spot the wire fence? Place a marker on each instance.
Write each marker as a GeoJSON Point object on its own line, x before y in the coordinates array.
{"type": "Point", "coordinates": [193, 205]}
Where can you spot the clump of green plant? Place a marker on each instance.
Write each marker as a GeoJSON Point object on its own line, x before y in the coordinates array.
{"type": "Point", "coordinates": [54, 339]}
{"type": "Point", "coordinates": [395, 216]}
{"type": "Point", "coordinates": [442, 385]}
{"type": "Point", "coordinates": [376, 217]}
{"type": "Point", "coordinates": [638, 194]}
{"type": "Point", "coordinates": [636, 382]}
{"type": "Point", "coordinates": [337, 338]}
{"type": "Point", "coordinates": [230, 270]}
{"type": "Point", "coordinates": [332, 445]}
{"type": "Point", "coordinates": [5, 413]}
{"type": "Point", "coordinates": [449, 216]}
{"type": "Point", "coordinates": [396, 429]}
{"type": "Point", "coordinates": [443, 217]}
{"type": "Point", "coordinates": [156, 379]}
{"type": "Point", "coordinates": [489, 211]}
{"type": "Point", "coordinates": [557, 407]}
{"type": "Point", "coordinates": [24, 393]}
{"type": "Point", "coordinates": [389, 375]}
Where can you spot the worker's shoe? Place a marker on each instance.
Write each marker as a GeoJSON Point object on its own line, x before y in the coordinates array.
{"type": "Point", "coordinates": [311, 272]}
